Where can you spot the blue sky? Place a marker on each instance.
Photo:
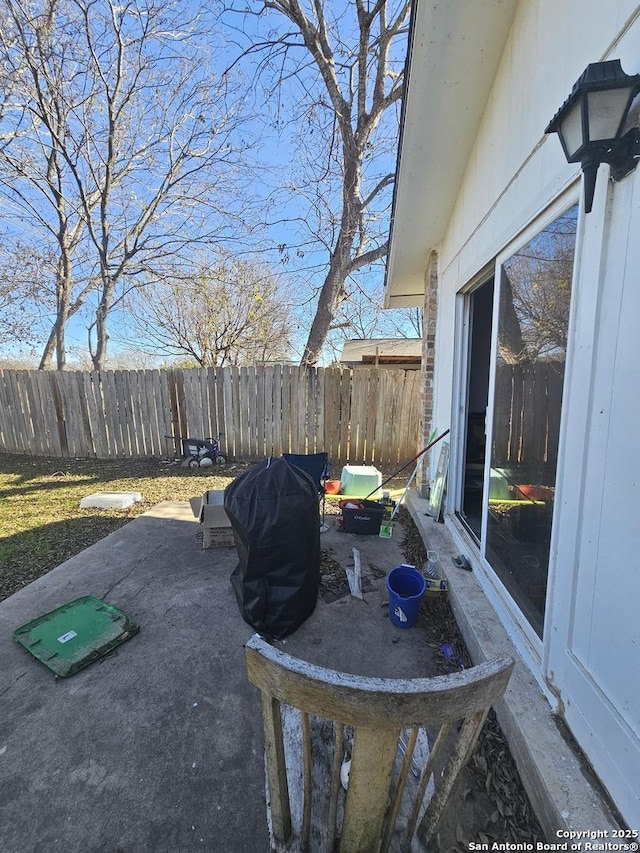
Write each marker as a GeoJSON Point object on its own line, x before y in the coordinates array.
{"type": "Point", "coordinates": [300, 266]}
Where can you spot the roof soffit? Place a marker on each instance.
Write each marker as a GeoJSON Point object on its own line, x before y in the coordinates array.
{"type": "Point", "coordinates": [454, 53]}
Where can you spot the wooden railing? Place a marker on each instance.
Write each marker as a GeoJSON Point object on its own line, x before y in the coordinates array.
{"type": "Point", "coordinates": [364, 416]}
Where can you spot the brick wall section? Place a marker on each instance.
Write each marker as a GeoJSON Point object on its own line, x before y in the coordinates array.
{"type": "Point", "coordinates": [428, 365]}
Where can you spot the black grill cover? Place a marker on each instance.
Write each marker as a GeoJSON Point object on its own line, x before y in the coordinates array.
{"type": "Point", "coordinates": [274, 512]}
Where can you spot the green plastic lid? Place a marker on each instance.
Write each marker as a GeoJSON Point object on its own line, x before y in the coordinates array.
{"type": "Point", "coordinates": [73, 636]}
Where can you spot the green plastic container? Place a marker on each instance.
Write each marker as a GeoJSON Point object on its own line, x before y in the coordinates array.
{"type": "Point", "coordinates": [76, 634]}
{"type": "Point", "coordinates": [360, 481]}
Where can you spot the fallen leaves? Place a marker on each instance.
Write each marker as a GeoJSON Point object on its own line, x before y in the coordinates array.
{"type": "Point", "coordinates": [492, 777]}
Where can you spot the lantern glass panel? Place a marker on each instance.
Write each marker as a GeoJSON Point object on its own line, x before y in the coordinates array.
{"type": "Point", "coordinates": [606, 112]}
{"type": "Point", "coordinates": [571, 131]}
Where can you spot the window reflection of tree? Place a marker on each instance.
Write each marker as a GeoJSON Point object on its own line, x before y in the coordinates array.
{"type": "Point", "coordinates": [535, 295]}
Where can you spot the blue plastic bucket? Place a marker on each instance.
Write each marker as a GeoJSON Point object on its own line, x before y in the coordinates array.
{"type": "Point", "coordinates": [406, 587]}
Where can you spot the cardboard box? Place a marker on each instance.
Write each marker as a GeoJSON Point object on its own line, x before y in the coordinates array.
{"type": "Point", "coordinates": [209, 508]}
{"type": "Point", "coordinates": [218, 537]}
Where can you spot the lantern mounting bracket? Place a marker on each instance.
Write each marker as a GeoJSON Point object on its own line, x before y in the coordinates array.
{"type": "Point", "coordinates": [624, 157]}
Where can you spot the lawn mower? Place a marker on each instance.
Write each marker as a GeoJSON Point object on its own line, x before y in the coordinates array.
{"type": "Point", "coordinates": [199, 452]}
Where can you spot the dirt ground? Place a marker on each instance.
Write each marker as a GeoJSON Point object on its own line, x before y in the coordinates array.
{"type": "Point", "coordinates": [490, 803]}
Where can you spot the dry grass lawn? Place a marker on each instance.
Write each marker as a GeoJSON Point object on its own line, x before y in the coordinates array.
{"type": "Point", "coordinates": [42, 525]}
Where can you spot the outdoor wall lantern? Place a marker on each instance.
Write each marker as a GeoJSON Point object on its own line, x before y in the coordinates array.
{"type": "Point", "coordinates": [590, 123]}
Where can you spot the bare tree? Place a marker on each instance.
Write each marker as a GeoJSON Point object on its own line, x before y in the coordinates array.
{"type": "Point", "coordinates": [223, 312]}
{"type": "Point", "coordinates": [362, 316]}
{"type": "Point", "coordinates": [535, 294]}
{"type": "Point", "coordinates": [337, 70]}
{"type": "Point", "coordinates": [21, 270]}
{"type": "Point", "coordinates": [33, 176]}
{"type": "Point", "coordinates": [117, 145]}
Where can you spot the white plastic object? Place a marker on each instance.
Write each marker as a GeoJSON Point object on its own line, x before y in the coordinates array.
{"type": "Point", "coordinates": [110, 500]}
{"type": "Point", "coordinates": [344, 773]}
{"type": "Point", "coordinates": [360, 480]}
{"type": "Point", "coordinates": [354, 575]}
{"type": "Point", "coordinates": [431, 569]}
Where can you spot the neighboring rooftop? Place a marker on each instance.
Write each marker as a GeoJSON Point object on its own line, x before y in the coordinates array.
{"type": "Point", "coordinates": [390, 352]}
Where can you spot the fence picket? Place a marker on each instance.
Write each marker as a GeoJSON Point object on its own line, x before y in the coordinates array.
{"type": "Point", "coordinates": [14, 414]}
{"type": "Point", "coordinates": [51, 443]}
{"type": "Point", "coordinates": [269, 412]}
{"type": "Point", "coordinates": [157, 443]}
{"type": "Point", "coordinates": [345, 414]}
{"type": "Point", "coordinates": [414, 397]}
{"type": "Point", "coordinates": [378, 432]}
{"type": "Point", "coordinates": [155, 448]}
{"type": "Point", "coordinates": [401, 423]}
{"type": "Point", "coordinates": [142, 420]}
{"type": "Point", "coordinates": [244, 426]}
{"type": "Point", "coordinates": [157, 394]}
{"type": "Point", "coordinates": [136, 429]}
{"type": "Point", "coordinates": [109, 401]}
{"type": "Point", "coordinates": [309, 428]}
{"type": "Point", "coordinates": [358, 412]}
{"type": "Point", "coordinates": [202, 429]}
{"type": "Point", "coordinates": [528, 437]}
{"type": "Point", "coordinates": [37, 420]}
{"type": "Point", "coordinates": [228, 411]}
{"type": "Point", "coordinates": [299, 426]}
{"type": "Point", "coordinates": [285, 402]}
{"type": "Point", "coordinates": [216, 405]}
{"type": "Point", "coordinates": [91, 391]}
{"type": "Point", "coordinates": [254, 405]}
{"type": "Point", "coordinates": [540, 412]}
{"type": "Point", "coordinates": [124, 407]}
{"type": "Point", "coordinates": [136, 414]}
{"type": "Point", "coordinates": [319, 397]}
{"type": "Point", "coordinates": [22, 410]}
{"type": "Point", "coordinates": [192, 405]}
{"type": "Point", "coordinates": [6, 422]}
{"type": "Point", "coordinates": [162, 398]}
{"type": "Point", "coordinates": [70, 413]}
{"type": "Point", "coordinates": [517, 415]}
{"type": "Point", "coordinates": [276, 398]}
{"type": "Point", "coordinates": [555, 384]}
{"type": "Point", "coordinates": [87, 429]}
{"type": "Point", "coordinates": [203, 394]}
{"type": "Point", "coordinates": [389, 418]}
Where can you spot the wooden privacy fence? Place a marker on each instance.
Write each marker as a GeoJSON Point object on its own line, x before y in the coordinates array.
{"type": "Point", "coordinates": [526, 427]}
{"type": "Point", "coordinates": [363, 416]}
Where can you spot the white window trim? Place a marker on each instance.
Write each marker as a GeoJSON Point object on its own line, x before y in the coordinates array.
{"type": "Point", "coordinates": [528, 643]}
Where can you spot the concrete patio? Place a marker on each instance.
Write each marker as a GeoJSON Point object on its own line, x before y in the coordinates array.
{"type": "Point", "coordinates": [158, 748]}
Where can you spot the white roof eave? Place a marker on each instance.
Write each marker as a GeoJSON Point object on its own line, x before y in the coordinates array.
{"type": "Point", "coordinates": [454, 53]}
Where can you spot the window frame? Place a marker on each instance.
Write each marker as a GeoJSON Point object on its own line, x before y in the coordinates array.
{"type": "Point", "coordinates": [489, 578]}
